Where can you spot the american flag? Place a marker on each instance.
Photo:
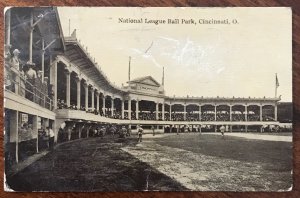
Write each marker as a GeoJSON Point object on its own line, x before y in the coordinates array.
{"type": "Point", "coordinates": [277, 82]}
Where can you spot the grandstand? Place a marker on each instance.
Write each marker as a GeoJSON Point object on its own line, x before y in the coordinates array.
{"type": "Point", "coordinates": [55, 83]}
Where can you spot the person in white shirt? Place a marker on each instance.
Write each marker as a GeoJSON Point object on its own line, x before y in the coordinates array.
{"type": "Point", "coordinates": [222, 129]}
{"type": "Point", "coordinates": [31, 73]}
{"type": "Point", "coordinates": [15, 68]}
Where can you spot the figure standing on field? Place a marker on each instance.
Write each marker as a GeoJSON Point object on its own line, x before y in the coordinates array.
{"type": "Point", "coordinates": [140, 133]}
{"type": "Point", "coordinates": [222, 129]}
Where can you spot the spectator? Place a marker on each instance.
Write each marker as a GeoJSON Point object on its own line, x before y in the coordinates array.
{"type": "Point", "coordinates": [140, 133]}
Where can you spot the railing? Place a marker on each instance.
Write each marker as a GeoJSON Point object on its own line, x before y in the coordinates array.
{"type": "Point", "coordinates": [17, 83]}
{"type": "Point", "coordinates": [205, 117]}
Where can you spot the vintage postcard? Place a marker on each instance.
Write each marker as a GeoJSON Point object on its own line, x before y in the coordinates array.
{"type": "Point", "coordinates": [148, 99]}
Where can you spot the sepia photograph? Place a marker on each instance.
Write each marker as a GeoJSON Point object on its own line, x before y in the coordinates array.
{"type": "Point", "coordinates": [114, 99]}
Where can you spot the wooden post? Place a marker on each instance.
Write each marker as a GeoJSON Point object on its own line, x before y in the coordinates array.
{"type": "Point", "coordinates": [122, 102]}
{"type": "Point", "coordinates": [103, 104]}
{"type": "Point", "coordinates": [14, 131]}
{"type": "Point", "coordinates": [163, 111]}
{"type": "Point", "coordinates": [129, 109]}
{"type": "Point", "coordinates": [31, 37]}
{"type": "Point", "coordinates": [80, 130]}
{"type": "Point", "coordinates": [88, 131]}
{"type": "Point", "coordinates": [35, 130]}
{"type": "Point", "coordinates": [86, 87]}
{"type": "Point", "coordinates": [43, 59]}
{"type": "Point", "coordinates": [199, 113]}
{"type": "Point", "coordinates": [53, 81]}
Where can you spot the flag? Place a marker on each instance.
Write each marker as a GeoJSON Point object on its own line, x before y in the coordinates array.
{"type": "Point", "coordinates": [277, 82]}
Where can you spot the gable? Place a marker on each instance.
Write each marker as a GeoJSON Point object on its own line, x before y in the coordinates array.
{"type": "Point", "coordinates": [149, 81]}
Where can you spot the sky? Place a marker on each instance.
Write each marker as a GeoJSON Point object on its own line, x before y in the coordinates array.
{"type": "Point", "coordinates": [209, 60]}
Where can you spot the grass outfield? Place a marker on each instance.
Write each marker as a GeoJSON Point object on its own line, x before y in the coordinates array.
{"type": "Point", "coordinates": [273, 154]}
{"type": "Point", "coordinates": [166, 162]}
{"type": "Point", "coordinates": [208, 162]}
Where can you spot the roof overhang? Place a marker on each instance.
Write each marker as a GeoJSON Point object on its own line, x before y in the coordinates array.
{"type": "Point", "coordinates": [50, 28]}
{"type": "Point", "coordinates": [78, 56]}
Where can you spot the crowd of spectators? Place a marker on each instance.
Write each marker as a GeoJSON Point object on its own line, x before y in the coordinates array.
{"type": "Point", "coordinates": [207, 116]}
{"type": "Point", "coordinates": [190, 116]}
{"type": "Point", "coordinates": [238, 117]}
{"type": "Point", "coordinates": [177, 117]}
{"type": "Point", "coordinates": [268, 118]}
{"type": "Point", "coordinates": [253, 117]}
{"type": "Point", "coordinates": [71, 132]}
{"type": "Point", "coordinates": [147, 115]}
{"type": "Point", "coordinates": [223, 116]}
{"type": "Point", "coordinates": [27, 80]}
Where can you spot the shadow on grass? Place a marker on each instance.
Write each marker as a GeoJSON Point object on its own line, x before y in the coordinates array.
{"type": "Point", "coordinates": [91, 165]}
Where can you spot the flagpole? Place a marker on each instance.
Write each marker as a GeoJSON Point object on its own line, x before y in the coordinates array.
{"type": "Point", "coordinates": [129, 68]}
{"type": "Point", "coordinates": [276, 85]}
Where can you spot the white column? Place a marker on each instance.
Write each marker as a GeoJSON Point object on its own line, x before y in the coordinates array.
{"type": "Point", "coordinates": [246, 113]}
{"type": "Point", "coordinates": [260, 113]}
{"type": "Point", "coordinates": [68, 87]}
{"type": "Point", "coordinates": [86, 88]}
{"type": "Point", "coordinates": [31, 37]}
{"type": "Point", "coordinates": [156, 111]}
{"type": "Point", "coordinates": [53, 82]}
{"type": "Point", "coordinates": [43, 59]}
{"type": "Point", "coordinates": [112, 107]}
{"type": "Point", "coordinates": [97, 98]}
{"type": "Point", "coordinates": [163, 111]}
{"type": "Point", "coordinates": [78, 83]}
{"type": "Point", "coordinates": [170, 111]}
{"type": "Point", "coordinates": [14, 131]}
{"type": "Point", "coordinates": [122, 104]}
{"type": "Point", "coordinates": [88, 131]}
{"type": "Point", "coordinates": [69, 130]}
{"type": "Point", "coordinates": [275, 112]}
{"type": "Point", "coordinates": [200, 113]}
{"type": "Point", "coordinates": [35, 130]}
{"type": "Point", "coordinates": [215, 112]}
{"type": "Point", "coordinates": [230, 112]}
{"type": "Point", "coordinates": [80, 131]}
{"type": "Point", "coordinates": [137, 109]}
{"type": "Point", "coordinates": [103, 104]}
{"type": "Point", "coordinates": [184, 112]}
{"type": "Point", "coordinates": [93, 98]}
{"type": "Point", "coordinates": [129, 109]}
{"type": "Point", "coordinates": [55, 128]}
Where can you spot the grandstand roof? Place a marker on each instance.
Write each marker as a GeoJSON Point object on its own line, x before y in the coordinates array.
{"type": "Point", "coordinates": [81, 58]}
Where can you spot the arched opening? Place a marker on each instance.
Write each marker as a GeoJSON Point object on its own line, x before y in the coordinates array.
{"type": "Point", "coordinates": [238, 113]}
{"type": "Point", "coordinates": [177, 112]}
{"type": "Point", "coordinates": [208, 113]}
{"type": "Point", "coordinates": [147, 110]}
{"type": "Point", "coordinates": [223, 113]}
{"type": "Point", "coordinates": [61, 86]}
{"type": "Point", "coordinates": [73, 91]}
{"type": "Point", "coordinates": [268, 113]}
{"type": "Point", "coordinates": [192, 112]}
{"type": "Point", "coordinates": [253, 113]}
